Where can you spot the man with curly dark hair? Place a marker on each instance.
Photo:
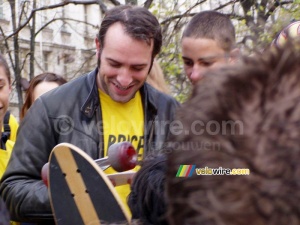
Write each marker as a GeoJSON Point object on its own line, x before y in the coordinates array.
{"type": "Point", "coordinates": [147, 200]}
{"type": "Point", "coordinates": [252, 113]}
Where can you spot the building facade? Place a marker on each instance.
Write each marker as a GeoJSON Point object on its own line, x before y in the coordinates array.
{"type": "Point", "coordinates": [63, 36]}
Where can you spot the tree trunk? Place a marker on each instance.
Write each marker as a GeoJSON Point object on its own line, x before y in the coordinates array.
{"type": "Point", "coordinates": [32, 44]}
{"type": "Point", "coordinates": [16, 64]}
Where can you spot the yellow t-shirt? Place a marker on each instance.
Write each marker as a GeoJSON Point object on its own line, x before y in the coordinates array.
{"type": "Point", "coordinates": [14, 125]}
{"type": "Point", "coordinates": [123, 122]}
{"type": "Point", "coordinates": [5, 156]}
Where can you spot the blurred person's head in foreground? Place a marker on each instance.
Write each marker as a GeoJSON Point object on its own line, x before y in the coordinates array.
{"type": "Point", "coordinates": [249, 115]}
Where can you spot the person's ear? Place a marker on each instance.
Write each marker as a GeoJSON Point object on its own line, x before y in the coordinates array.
{"type": "Point", "coordinates": [98, 46]}
{"type": "Point", "coordinates": [234, 55]}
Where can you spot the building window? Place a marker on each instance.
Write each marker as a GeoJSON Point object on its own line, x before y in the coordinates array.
{"type": "Point", "coordinates": [64, 24]}
{"type": "Point", "coordinates": [46, 61]}
{"type": "Point", "coordinates": [66, 70]}
{"type": "Point", "coordinates": [67, 59]}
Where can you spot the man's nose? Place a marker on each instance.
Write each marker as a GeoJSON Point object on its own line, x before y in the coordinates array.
{"type": "Point", "coordinates": [124, 77]}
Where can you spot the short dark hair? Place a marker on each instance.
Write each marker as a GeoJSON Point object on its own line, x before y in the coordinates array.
{"type": "Point", "coordinates": [138, 22]}
{"type": "Point", "coordinates": [212, 25]}
{"type": "Point", "coordinates": [263, 94]}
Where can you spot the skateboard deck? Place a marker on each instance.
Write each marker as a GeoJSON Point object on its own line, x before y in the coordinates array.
{"type": "Point", "coordinates": [80, 192]}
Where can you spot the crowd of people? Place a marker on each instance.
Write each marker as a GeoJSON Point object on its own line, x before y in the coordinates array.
{"type": "Point", "coordinates": [244, 108]}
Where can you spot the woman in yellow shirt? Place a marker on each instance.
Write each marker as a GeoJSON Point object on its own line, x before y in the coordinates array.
{"type": "Point", "coordinates": [6, 145]}
{"type": "Point", "coordinates": [5, 89]}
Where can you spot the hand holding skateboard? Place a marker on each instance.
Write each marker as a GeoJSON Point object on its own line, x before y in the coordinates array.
{"type": "Point", "coordinates": [121, 157]}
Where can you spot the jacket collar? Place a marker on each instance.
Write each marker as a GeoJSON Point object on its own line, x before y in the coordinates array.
{"type": "Point", "coordinates": [92, 101]}
{"type": "Point", "coordinates": [149, 96]}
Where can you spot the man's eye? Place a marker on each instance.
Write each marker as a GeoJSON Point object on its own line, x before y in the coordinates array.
{"type": "Point", "coordinates": [138, 68]}
{"type": "Point", "coordinates": [115, 65]}
{"type": "Point", "coordinates": [188, 63]}
{"type": "Point", "coordinates": [207, 64]}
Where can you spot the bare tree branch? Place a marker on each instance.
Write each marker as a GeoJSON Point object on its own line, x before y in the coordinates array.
{"type": "Point", "coordinates": [67, 19]}
{"type": "Point", "coordinates": [147, 4]}
{"type": "Point", "coordinates": [24, 61]}
{"type": "Point", "coordinates": [275, 6]}
{"type": "Point", "coordinates": [261, 12]}
{"type": "Point", "coordinates": [102, 6]}
{"type": "Point", "coordinates": [115, 2]}
{"type": "Point", "coordinates": [246, 5]}
{"type": "Point", "coordinates": [225, 5]}
{"type": "Point", "coordinates": [22, 12]}
{"type": "Point", "coordinates": [185, 14]}
{"type": "Point", "coordinates": [61, 4]}
{"type": "Point", "coordinates": [16, 58]}
{"type": "Point", "coordinates": [7, 47]}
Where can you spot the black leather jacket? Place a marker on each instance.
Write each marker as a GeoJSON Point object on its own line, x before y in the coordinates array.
{"type": "Point", "coordinates": [70, 113]}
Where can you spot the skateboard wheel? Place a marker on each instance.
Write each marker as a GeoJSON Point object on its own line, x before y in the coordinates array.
{"type": "Point", "coordinates": [122, 156]}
